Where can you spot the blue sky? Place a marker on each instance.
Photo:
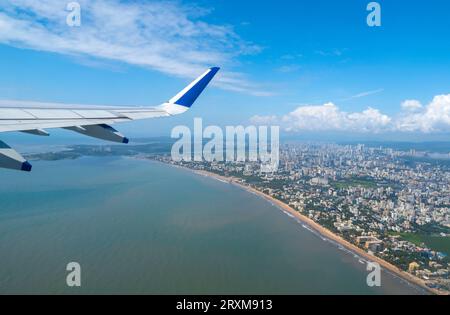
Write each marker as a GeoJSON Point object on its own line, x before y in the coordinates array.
{"type": "Point", "coordinates": [301, 64]}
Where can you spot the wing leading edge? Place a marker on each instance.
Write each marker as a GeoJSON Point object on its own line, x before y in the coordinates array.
{"type": "Point", "coordinates": [93, 121]}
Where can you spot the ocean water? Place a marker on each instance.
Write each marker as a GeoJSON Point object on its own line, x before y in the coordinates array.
{"type": "Point", "coordinates": [147, 228]}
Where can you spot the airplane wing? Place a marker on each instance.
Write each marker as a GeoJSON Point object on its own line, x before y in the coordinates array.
{"type": "Point", "coordinates": [92, 121]}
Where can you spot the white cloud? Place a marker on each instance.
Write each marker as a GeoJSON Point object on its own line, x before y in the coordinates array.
{"type": "Point", "coordinates": [329, 117]}
{"type": "Point", "coordinates": [435, 117]}
{"type": "Point", "coordinates": [411, 105]}
{"type": "Point", "coordinates": [169, 37]}
{"type": "Point", "coordinates": [264, 120]}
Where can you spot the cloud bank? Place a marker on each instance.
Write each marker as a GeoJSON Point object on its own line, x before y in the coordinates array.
{"type": "Point", "coordinates": [435, 117]}
{"type": "Point", "coordinates": [169, 37]}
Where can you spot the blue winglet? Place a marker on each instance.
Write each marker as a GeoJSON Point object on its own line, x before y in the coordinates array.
{"type": "Point", "coordinates": [189, 95]}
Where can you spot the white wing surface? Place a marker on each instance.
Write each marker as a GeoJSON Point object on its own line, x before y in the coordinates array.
{"type": "Point", "coordinates": [90, 120]}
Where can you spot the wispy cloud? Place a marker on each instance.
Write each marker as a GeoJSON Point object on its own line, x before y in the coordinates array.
{"type": "Point", "coordinates": [363, 94]}
{"type": "Point", "coordinates": [291, 56]}
{"type": "Point", "coordinates": [331, 53]}
{"type": "Point", "coordinates": [435, 117]}
{"type": "Point", "coordinates": [289, 68]}
{"type": "Point", "coordinates": [169, 37]}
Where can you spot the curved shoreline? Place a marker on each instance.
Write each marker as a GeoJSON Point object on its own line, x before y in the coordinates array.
{"type": "Point", "coordinates": [317, 228]}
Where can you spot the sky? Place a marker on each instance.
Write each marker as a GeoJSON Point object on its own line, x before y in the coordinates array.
{"type": "Point", "coordinates": [311, 67]}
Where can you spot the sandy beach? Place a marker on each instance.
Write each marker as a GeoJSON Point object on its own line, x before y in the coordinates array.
{"type": "Point", "coordinates": [324, 232]}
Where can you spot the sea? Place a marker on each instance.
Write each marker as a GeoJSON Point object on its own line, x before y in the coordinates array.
{"type": "Point", "coordinates": [142, 227]}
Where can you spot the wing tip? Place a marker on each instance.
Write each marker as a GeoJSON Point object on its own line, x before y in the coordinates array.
{"type": "Point", "coordinates": [189, 95]}
{"type": "Point", "coordinates": [26, 167]}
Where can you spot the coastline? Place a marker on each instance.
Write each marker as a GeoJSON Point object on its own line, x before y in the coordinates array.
{"type": "Point", "coordinates": [322, 231]}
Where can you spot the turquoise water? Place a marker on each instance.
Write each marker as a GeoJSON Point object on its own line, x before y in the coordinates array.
{"type": "Point", "coordinates": [144, 227]}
